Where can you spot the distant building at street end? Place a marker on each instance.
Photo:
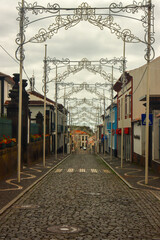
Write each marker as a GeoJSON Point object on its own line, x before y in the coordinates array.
{"type": "Point", "coordinates": [79, 139]}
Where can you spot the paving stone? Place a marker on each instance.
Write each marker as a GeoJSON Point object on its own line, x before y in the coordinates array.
{"type": "Point", "coordinates": [116, 212]}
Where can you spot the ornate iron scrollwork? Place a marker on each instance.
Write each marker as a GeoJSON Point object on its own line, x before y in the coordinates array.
{"type": "Point", "coordinates": [85, 64]}
{"type": "Point", "coordinates": [86, 13]}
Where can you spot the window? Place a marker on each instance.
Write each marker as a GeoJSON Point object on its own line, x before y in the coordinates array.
{"type": "Point", "coordinates": [86, 138]}
{"type": "Point", "coordinates": [82, 138]}
{"type": "Point", "coordinates": [113, 116]}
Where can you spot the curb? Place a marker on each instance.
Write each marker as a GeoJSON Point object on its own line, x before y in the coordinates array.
{"type": "Point", "coordinates": [133, 188]}
{"type": "Point", "coordinates": [127, 183]}
{"type": "Point", "coordinates": [29, 188]}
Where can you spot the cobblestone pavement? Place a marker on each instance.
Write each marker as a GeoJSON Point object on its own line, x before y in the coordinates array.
{"type": "Point", "coordinates": [134, 174]}
{"type": "Point", "coordinates": [10, 189]}
{"type": "Point", "coordinates": [82, 199]}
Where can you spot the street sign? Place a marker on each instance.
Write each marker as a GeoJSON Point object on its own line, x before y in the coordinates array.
{"type": "Point", "coordinates": [150, 119]}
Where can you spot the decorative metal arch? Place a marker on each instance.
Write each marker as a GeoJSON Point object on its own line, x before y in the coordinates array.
{"type": "Point", "coordinates": [75, 90]}
{"type": "Point", "coordinates": [86, 111]}
{"type": "Point", "coordinates": [83, 13]}
{"type": "Point", "coordinates": [84, 123]}
{"type": "Point", "coordinates": [85, 118]}
{"type": "Point", "coordinates": [92, 88]}
{"type": "Point", "coordinates": [84, 64]}
{"type": "Point", "coordinates": [70, 17]}
{"type": "Point", "coordinates": [80, 102]}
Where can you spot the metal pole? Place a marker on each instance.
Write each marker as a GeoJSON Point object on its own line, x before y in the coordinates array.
{"type": "Point", "coordinates": [148, 86]}
{"type": "Point", "coordinates": [122, 105]}
{"type": "Point", "coordinates": [67, 127]}
{"type": "Point", "coordinates": [56, 122]}
{"type": "Point", "coordinates": [104, 127]}
{"type": "Point", "coordinates": [20, 95]}
{"type": "Point", "coordinates": [70, 130]}
{"type": "Point", "coordinates": [111, 115]}
{"type": "Point", "coordinates": [69, 116]}
{"type": "Point", "coordinates": [44, 122]}
{"type": "Point", "coordinates": [64, 121]}
{"type": "Point", "coordinates": [99, 144]}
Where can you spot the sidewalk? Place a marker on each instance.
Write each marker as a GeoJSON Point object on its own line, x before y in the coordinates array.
{"type": "Point", "coordinates": [131, 174]}
{"type": "Point", "coordinates": [134, 175]}
{"type": "Point", "coordinates": [11, 190]}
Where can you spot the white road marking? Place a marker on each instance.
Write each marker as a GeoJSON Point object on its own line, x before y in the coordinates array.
{"type": "Point", "coordinates": [59, 170]}
{"type": "Point", "coordinates": [70, 170]}
{"type": "Point", "coordinates": [82, 170]}
{"type": "Point", "coordinates": [94, 170]}
{"type": "Point", "coordinates": [106, 171]}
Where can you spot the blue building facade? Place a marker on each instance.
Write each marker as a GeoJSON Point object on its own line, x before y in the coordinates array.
{"type": "Point", "coordinates": [108, 129]}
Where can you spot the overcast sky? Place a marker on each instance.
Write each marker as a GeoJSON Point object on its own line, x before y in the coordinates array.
{"type": "Point", "coordinates": [82, 41]}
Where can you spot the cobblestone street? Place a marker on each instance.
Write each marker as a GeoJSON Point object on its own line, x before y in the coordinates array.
{"type": "Point", "coordinates": [82, 199]}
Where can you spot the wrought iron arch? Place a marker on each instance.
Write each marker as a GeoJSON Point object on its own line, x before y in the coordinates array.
{"type": "Point", "coordinates": [84, 64]}
{"type": "Point", "coordinates": [84, 12]}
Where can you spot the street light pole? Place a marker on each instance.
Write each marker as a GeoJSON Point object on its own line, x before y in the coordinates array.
{"type": "Point", "coordinates": [44, 122]}
{"type": "Point", "coordinates": [148, 86]}
{"type": "Point", "coordinates": [56, 116]}
{"type": "Point", "coordinates": [111, 116]}
{"type": "Point", "coordinates": [104, 127]}
{"type": "Point", "coordinates": [122, 103]}
{"type": "Point", "coordinates": [20, 94]}
{"type": "Point", "coordinates": [64, 121]}
{"type": "Point", "coordinates": [70, 144]}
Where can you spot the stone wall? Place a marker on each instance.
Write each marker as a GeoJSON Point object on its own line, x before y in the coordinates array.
{"type": "Point", "coordinates": [156, 166]}
{"type": "Point", "coordinates": [35, 151]}
{"type": "Point", "coordinates": [139, 159]}
{"type": "Point", "coordinates": [8, 157]}
{"type": "Point", "coordinates": [8, 161]}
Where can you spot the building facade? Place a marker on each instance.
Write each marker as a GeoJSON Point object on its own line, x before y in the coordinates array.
{"type": "Point", "coordinates": [139, 107]}
{"type": "Point", "coordinates": [79, 140]}
{"type": "Point", "coordinates": [6, 84]}
{"type": "Point", "coordinates": [36, 106]}
{"type": "Point", "coordinates": [124, 88]}
{"type": "Point", "coordinates": [112, 146]}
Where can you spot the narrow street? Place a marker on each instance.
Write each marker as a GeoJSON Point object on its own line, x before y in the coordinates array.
{"type": "Point", "coordinates": [84, 200]}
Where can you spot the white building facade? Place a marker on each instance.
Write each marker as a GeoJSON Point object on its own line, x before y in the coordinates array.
{"type": "Point", "coordinates": [6, 84]}
{"type": "Point", "coordinates": [139, 107]}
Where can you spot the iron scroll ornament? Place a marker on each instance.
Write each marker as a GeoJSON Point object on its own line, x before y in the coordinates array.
{"type": "Point", "coordinates": [85, 64]}
{"type": "Point", "coordinates": [85, 13]}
